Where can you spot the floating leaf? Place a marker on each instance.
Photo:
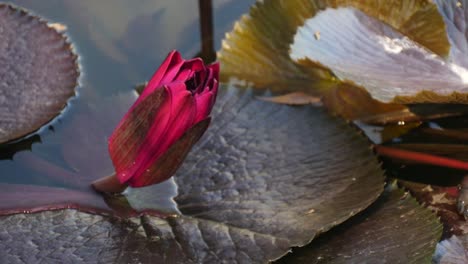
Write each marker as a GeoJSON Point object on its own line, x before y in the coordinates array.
{"type": "Point", "coordinates": [270, 28]}
{"type": "Point", "coordinates": [251, 162]}
{"type": "Point", "coordinates": [248, 191]}
{"type": "Point", "coordinates": [271, 25]}
{"type": "Point", "coordinates": [38, 72]}
{"type": "Point", "coordinates": [352, 102]}
{"type": "Point", "coordinates": [396, 50]}
{"type": "Point", "coordinates": [80, 237]}
{"type": "Point", "coordinates": [362, 49]}
{"type": "Point", "coordinates": [395, 229]}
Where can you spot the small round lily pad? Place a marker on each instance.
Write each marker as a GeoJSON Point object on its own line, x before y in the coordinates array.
{"type": "Point", "coordinates": [38, 72]}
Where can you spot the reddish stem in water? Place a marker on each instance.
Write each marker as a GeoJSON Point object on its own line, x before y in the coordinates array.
{"type": "Point", "coordinates": [420, 157]}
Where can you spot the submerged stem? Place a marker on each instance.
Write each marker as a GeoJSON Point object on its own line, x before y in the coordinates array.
{"type": "Point", "coordinates": [422, 158]}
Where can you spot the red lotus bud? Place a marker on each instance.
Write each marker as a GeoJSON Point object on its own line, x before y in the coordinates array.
{"type": "Point", "coordinates": [171, 114]}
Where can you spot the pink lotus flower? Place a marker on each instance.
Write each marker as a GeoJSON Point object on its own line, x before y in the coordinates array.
{"type": "Point", "coordinates": [171, 114]}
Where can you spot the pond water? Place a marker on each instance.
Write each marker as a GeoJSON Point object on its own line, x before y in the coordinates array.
{"type": "Point", "coordinates": [120, 44]}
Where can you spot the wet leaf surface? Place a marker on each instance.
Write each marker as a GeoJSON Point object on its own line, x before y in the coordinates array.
{"type": "Point", "coordinates": [248, 191]}
{"type": "Point", "coordinates": [395, 229]}
{"type": "Point", "coordinates": [89, 238]}
{"type": "Point", "coordinates": [232, 170]}
{"type": "Point", "coordinates": [38, 70]}
{"type": "Point", "coordinates": [396, 50]}
{"type": "Point", "coordinates": [362, 49]}
{"type": "Point", "coordinates": [269, 26]}
{"type": "Point", "coordinates": [353, 102]}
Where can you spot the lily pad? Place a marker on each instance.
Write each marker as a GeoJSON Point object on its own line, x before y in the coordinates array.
{"type": "Point", "coordinates": [38, 69]}
{"type": "Point", "coordinates": [395, 229]}
{"type": "Point", "coordinates": [265, 177]}
{"type": "Point", "coordinates": [89, 238]}
{"type": "Point", "coordinates": [307, 182]}
{"type": "Point", "coordinates": [271, 26]}
{"type": "Point", "coordinates": [396, 50]}
{"type": "Point", "coordinates": [362, 49]}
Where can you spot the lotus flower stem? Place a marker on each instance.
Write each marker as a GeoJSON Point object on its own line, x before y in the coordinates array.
{"type": "Point", "coordinates": [206, 30]}
{"type": "Point", "coordinates": [109, 184]}
{"type": "Point", "coordinates": [420, 157]}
